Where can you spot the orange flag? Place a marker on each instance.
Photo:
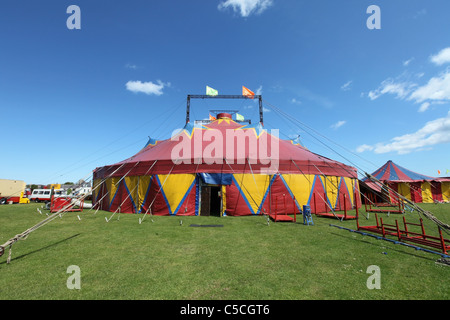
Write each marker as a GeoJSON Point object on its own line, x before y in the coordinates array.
{"type": "Point", "coordinates": [212, 118]}
{"type": "Point", "coordinates": [247, 92]}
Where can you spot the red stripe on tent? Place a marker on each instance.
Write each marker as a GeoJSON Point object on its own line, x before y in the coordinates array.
{"type": "Point", "coordinates": [122, 200]}
{"type": "Point", "coordinates": [436, 191]}
{"type": "Point", "coordinates": [236, 203]}
{"type": "Point", "coordinates": [319, 200]}
{"type": "Point", "coordinates": [279, 198]}
{"type": "Point", "coordinates": [399, 173]}
{"type": "Point", "coordinates": [416, 191]}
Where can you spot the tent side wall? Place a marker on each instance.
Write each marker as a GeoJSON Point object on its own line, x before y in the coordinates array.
{"type": "Point", "coordinates": [418, 192]}
{"type": "Point", "coordinates": [445, 187]}
{"type": "Point", "coordinates": [284, 193]}
{"type": "Point", "coordinates": [157, 194]}
{"type": "Point", "coordinates": [436, 191]}
{"type": "Point", "coordinates": [427, 192]}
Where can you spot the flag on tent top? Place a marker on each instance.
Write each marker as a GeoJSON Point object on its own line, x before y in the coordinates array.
{"type": "Point", "coordinates": [211, 92]}
{"type": "Point", "coordinates": [247, 92]}
{"type": "Point", "coordinates": [239, 117]}
{"type": "Point", "coordinates": [212, 118]}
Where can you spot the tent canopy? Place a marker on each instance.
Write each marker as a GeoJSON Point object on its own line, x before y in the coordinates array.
{"type": "Point", "coordinates": [393, 172]}
{"type": "Point", "coordinates": [225, 146]}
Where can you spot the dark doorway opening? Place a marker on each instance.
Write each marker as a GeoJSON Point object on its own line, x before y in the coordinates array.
{"type": "Point", "coordinates": [216, 201]}
{"type": "Point", "coordinates": [211, 198]}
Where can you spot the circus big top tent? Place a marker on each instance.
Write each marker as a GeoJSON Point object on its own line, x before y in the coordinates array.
{"type": "Point", "coordinates": [414, 186]}
{"type": "Point", "coordinates": [224, 167]}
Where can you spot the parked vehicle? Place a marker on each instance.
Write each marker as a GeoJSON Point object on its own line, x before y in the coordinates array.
{"type": "Point", "coordinates": [12, 191]}
{"type": "Point", "coordinates": [85, 192]}
{"type": "Point", "coordinates": [43, 195]}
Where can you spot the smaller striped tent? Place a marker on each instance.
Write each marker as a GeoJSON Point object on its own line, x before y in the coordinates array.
{"type": "Point", "coordinates": [412, 185]}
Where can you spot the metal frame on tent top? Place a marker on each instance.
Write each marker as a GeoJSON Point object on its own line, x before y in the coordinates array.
{"type": "Point", "coordinates": [205, 96]}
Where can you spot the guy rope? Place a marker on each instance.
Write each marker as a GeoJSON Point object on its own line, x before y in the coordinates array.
{"type": "Point", "coordinates": [59, 213]}
{"type": "Point", "coordinates": [425, 213]}
{"type": "Point", "coordinates": [24, 235]}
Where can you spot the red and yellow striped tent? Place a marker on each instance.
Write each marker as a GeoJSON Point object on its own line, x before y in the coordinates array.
{"type": "Point", "coordinates": [224, 167]}
{"type": "Point", "coordinates": [412, 185]}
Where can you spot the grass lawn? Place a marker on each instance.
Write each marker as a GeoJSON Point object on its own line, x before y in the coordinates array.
{"type": "Point", "coordinates": [246, 259]}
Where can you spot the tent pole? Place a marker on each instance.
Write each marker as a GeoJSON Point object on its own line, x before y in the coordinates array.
{"type": "Point", "coordinates": [270, 195]}
{"type": "Point", "coordinates": [261, 117]}
{"type": "Point", "coordinates": [188, 108]}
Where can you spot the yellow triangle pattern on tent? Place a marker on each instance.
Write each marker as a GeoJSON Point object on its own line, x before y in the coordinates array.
{"type": "Point", "coordinates": [132, 186]}
{"type": "Point", "coordinates": [404, 190]}
{"type": "Point", "coordinates": [427, 196]}
{"type": "Point", "coordinates": [350, 183]}
{"type": "Point", "coordinates": [300, 186]}
{"type": "Point", "coordinates": [175, 187]}
{"type": "Point", "coordinates": [111, 185]}
{"type": "Point", "coordinates": [144, 183]}
{"type": "Point", "coordinates": [254, 187]}
{"type": "Point", "coordinates": [445, 188]}
{"type": "Point", "coordinates": [96, 188]}
{"type": "Point", "coordinates": [331, 188]}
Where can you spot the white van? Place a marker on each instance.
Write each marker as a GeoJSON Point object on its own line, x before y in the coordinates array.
{"type": "Point", "coordinates": [83, 192]}
{"type": "Point", "coordinates": [39, 195]}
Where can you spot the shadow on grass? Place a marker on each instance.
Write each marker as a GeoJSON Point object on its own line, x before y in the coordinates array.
{"type": "Point", "coordinates": [38, 250]}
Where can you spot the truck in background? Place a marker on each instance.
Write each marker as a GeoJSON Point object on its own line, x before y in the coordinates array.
{"type": "Point", "coordinates": [12, 191]}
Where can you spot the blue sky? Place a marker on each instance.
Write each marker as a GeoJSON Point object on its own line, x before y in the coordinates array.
{"type": "Point", "coordinates": [75, 99]}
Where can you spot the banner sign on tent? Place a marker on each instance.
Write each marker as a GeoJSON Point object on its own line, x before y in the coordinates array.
{"type": "Point", "coordinates": [224, 179]}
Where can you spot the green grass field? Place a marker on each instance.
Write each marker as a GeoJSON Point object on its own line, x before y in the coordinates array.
{"type": "Point", "coordinates": [246, 259]}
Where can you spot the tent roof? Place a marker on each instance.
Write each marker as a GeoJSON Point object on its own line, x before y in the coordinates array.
{"type": "Point", "coordinates": [237, 155]}
{"type": "Point", "coordinates": [393, 172]}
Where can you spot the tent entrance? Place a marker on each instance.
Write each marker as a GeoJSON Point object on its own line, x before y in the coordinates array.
{"type": "Point", "coordinates": [211, 200]}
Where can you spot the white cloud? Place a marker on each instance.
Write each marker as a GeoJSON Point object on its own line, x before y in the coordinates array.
{"type": "Point", "coordinates": [437, 89]}
{"type": "Point", "coordinates": [131, 66]}
{"type": "Point", "coordinates": [364, 147]}
{"type": "Point", "coordinates": [433, 133]}
{"type": "Point", "coordinates": [407, 62]}
{"type": "Point", "coordinates": [147, 87]}
{"type": "Point", "coordinates": [259, 91]}
{"type": "Point", "coordinates": [400, 89]}
{"type": "Point", "coordinates": [420, 13]}
{"type": "Point", "coordinates": [246, 7]}
{"type": "Point", "coordinates": [405, 86]}
{"type": "Point", "coordinates": [442, 57]}
{"type": "Point", "coordinates": [338, 124]}
{"type": "Point", "coordinates": [420, 75]}
{"type": "Point", "coordinates": [295, 101]}
{"type": "Point", "coordinates": [424, 106]}
{"type": "Point", "coordinates": [346, 86]}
